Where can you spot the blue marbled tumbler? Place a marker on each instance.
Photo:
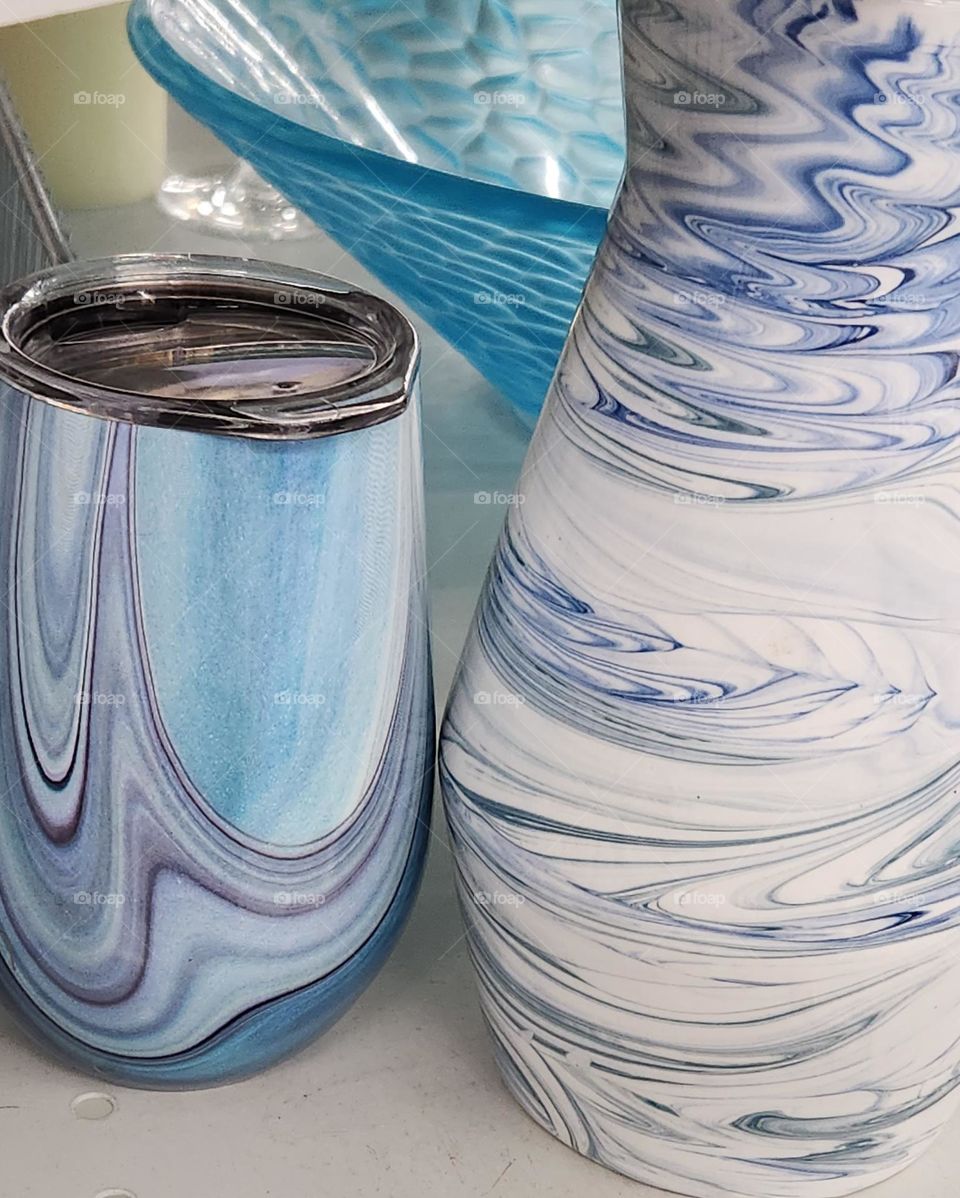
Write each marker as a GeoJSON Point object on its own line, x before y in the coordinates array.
{"type": "Point", "coordinates": [216, 734]}
{"type": "Point", "coordinates": [702, 760]}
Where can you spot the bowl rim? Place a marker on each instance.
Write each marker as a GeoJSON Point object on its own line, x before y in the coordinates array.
{"type": "Point", "coordinates": [240, 122]}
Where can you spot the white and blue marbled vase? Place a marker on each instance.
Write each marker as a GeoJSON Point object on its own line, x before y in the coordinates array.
{"type": "Point", "coordinates": [216, 720]}
{"type": "Point", "coordinates": [702, 760]}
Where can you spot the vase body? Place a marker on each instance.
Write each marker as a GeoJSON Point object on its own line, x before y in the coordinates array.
{"type": "Point", "coordinates": [701, 759]}
{"type": "Point", "coordinates": [215, 701]}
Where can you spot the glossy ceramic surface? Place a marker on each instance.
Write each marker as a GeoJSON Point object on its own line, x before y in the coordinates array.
{"type": "Point", "coordinates": [465, 151]}
{"type": "Point", "coordinates": [702, 758]}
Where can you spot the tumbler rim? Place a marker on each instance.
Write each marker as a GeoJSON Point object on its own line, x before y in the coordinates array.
{"type": "Point", "coordinates": [75, 297]}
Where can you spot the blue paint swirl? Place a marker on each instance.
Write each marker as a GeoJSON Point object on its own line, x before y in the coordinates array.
{"type": "Point", "coordinates": [217, 735]}
{"type": "Point", "coordinates": [701, 762]}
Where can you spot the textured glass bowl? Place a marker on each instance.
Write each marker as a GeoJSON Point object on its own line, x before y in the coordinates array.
{"type": "Point", "coordinates": [465, 151]}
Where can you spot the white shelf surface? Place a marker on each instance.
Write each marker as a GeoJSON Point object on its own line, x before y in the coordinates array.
{"type": "Point", "coordinates": [13, 12]}
{"type": "Point", "coordinates": [401, 1098]}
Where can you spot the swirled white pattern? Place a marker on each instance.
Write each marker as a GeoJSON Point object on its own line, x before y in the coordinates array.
{"type": "Point", "coordinates": [702, 760]}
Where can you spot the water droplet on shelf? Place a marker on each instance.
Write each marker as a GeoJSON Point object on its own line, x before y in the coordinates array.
{"type": "Point", "coordinates": [93, 1106]}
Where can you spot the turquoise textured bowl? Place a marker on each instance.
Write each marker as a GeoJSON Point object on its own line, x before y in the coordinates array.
{"type": "Point", "coordinates": [465, 152]}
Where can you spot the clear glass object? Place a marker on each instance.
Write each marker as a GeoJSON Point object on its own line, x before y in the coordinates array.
{"type": "Point", "coordinates": [235, 203]}
{"type": "Point", "coordinates": [465, 153]}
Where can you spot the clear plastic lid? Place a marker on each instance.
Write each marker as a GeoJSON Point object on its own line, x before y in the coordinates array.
{"type": "Point", "coordinates": [214, 344]}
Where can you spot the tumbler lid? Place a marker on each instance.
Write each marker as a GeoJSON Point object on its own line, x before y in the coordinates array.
{"type": "Point", "coordinates": [212, 344]}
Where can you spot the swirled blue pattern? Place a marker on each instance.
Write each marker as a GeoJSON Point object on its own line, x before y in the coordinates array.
{"type": "Point", "coordinates": [702, 759]}
{"type": "Point", "coordinates": [217, 735]}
